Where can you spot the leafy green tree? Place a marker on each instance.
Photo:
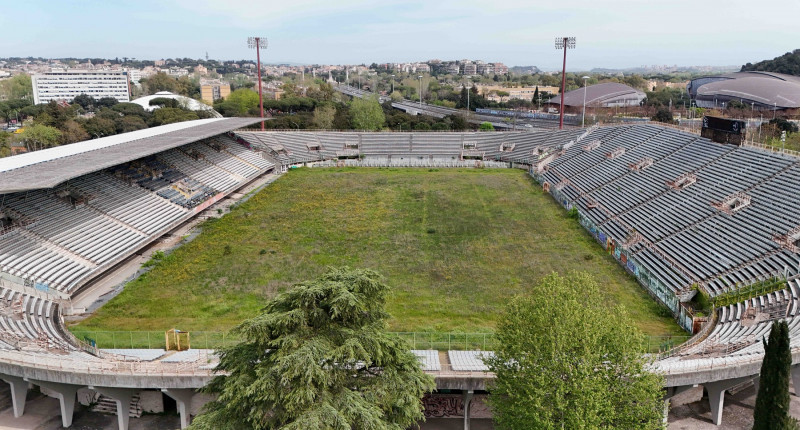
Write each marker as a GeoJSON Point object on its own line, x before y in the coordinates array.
{"type": "Point", "coordinates": [566, 359]}
{"type": "Point", "coordinates": [486, 126]}
{"type": "Point", "coordinates": [167, 115]}
{"type": "Point", "coordinates": [164, 102]}
{"type": "Point", "coordinates": [323, 116]}
{"type": "Point", "coordinates": [323, 93]}
{"type": "Point", "coordinates": [39, 136]}
{"type": "Point", "coordinates": [85, 101]}
{"type": "Point", "coordinates": [788, 63]}
{"type": "Point", "coordinates": [366, 114]}
{"type": "Point", "coordinates": [457, 122]}
{"type": "Point", "coordinates": [663, 115]}
{"type": "Point", "coordinates": [238, 103]}
{"type": "Point", "coordinates": [160, 82]}
{"type": "Point", "coordinates": [54, 115]}
{"type": "Point", "coordinates": [784, 125]}
{"type": "Point", "coordinates": [189, 87]}
{"type": "Point", "coordinates": [772, 401]}
{"type": "Point", "coordinates": [130, 109]}
{"type": "Point", "coordinates": [72, 132]}
{"type": "Point", "coordinates": [5, 141]}
{"type": "Point", "coordinates": [18, 87]}
{"type": "Point", "coordinates": [99, 126]}
{"type": "Point", "coordinates": [129, 123]}
{"type": "Point", "coordinates": [107, 102]}
{"type": "Point", "coordinates": [318, 357]}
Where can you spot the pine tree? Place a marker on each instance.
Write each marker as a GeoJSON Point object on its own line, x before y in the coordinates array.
{"type": "Point", "coordinates": [772, 402]}
{"type": "Point", "coordinates": [318, 357]}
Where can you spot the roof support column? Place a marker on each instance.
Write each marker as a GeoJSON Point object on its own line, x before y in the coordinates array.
{"type": "Point", "coordinates": [183, 398]}
{"type": "Point", "coordinates": [122, 397]}
{"type": "Point", "coordinates": [19, 392]}
{"type": "Point", "coordinates": [795, 379]}
{"type": "Point", "coordinates": [671, 392]}
{"type": "Point", "coordinates": [467, 403]}
{"type": "Point", "coordinates": [716, 396]}
{"type": "Point", "coordinates": [66, 394]}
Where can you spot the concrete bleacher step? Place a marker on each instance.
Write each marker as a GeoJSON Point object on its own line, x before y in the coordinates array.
{"type": "Point", "coordinates": [115, 220]}
{"type": "Point", "coordinates": [107, 405]}
{"type": "Point", "coordinates": [57, 248]}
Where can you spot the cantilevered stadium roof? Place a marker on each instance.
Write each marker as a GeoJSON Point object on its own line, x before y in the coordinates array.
{"type": "Point", "coordinates": [50, 167]}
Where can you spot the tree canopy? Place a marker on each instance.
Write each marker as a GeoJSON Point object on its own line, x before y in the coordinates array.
{"type": "Point", "coordinates": [772, 401]}
{"type": "Point", "coordinates": [38, 136]}
{"type": "Point", "coordinates": [566, 358]}
{"type": "Point", "coordinates": [663, 115]}
{"type": "Point", "coordinates": [318, 357]}
{"type": "Point", "coordinates": [366, 114]}
{"type": "Point", "coordinates": [238, 103]}
{"type": "Point", "coordinates": [788, 63]}
{"type": "Point", "coordinates": [486, 126]}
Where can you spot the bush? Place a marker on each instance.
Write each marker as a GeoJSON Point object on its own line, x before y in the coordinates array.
{"type": "Point", "coordinates": [154, 259]}
{"type": "Point", "coordinates": [663, 115]}
{"type": "Point", "coordinates": [701, 301]}
{"type": "Point", "coordinates": [573, 213]}
{"type": "Point", "coordinates": [227, 250]}
{"type": "Point", "coordinates": [486, 126]}
{"type": "Point", "coordinates": [784, 125]}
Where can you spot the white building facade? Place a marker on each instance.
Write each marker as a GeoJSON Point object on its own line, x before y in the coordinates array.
{"type": "Point", "coordinates": [67, 84]}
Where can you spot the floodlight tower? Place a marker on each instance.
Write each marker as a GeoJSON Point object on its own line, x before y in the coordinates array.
{"type": "Point", "coordinates": [258, 43]}
{"type": "Point", "coordinates": [420, 92]}
{"type": "Point", "coordinates": [563, 43]}
{"type": "Point", "coordinates": [583, 117]}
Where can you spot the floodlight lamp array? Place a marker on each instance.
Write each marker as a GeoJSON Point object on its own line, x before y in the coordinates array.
{"type": "Point", "coordinates": [562, 42]}
{"type": "Point", "coordinates": [260, 41]}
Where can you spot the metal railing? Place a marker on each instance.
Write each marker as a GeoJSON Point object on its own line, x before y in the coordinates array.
{"type": "Point", "coordinates": [440, 341]}
{"type": "Point", "coordinates": [81, 365]}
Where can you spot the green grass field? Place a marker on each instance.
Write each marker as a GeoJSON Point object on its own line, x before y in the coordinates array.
{"type": "Point", "coordinates": [455, 245]}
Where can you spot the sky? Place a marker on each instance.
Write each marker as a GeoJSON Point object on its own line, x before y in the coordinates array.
{"type": "Point", "coordinates": [610, 34]}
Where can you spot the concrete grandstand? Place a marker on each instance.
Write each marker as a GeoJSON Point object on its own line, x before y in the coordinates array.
{"type": "Point", "coordinates": [679, 212]}
{"type": "Point", "coordinates": [759, 90]}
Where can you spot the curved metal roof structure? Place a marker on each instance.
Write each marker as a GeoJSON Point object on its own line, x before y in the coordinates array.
{"type": "Point", "coordinates": [50, 167]}
{"type": "Point", "coordinates": [188, 102]}
{"type": "Point", "coordinates": [607, 94]}
{"type": "Point", "coordinates": [758, 89]}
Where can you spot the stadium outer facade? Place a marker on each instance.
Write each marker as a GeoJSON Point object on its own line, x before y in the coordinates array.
{"type": "Point", "coordinates": [651, 195]}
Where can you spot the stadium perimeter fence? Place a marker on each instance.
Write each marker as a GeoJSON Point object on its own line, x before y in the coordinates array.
{"type": "Point", "coordinates": [441, 341]}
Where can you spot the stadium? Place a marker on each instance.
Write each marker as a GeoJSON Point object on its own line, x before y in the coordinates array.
{"type": "Point", "coordinates": [681, 214]}
{"type": "Point", "coordinates": [759, 90]}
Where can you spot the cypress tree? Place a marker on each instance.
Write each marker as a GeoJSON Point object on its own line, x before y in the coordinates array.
{"type": "Point", "coordinates": [772, 402]}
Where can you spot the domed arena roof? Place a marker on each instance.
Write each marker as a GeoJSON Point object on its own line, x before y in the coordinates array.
{"type": "Point", "coordinates": [758, 89]}
{"type": "Point", "coordinates": [607, 94]}
{"type": "Point", "coordinates": [186, 102]}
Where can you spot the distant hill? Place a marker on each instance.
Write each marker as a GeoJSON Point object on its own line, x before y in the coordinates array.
{"type": "Point", "coordinates": [788, 63]}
